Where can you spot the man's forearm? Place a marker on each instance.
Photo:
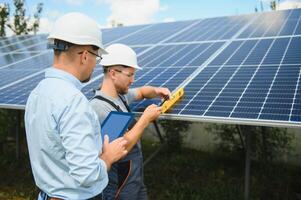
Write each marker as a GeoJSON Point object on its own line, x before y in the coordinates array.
{"type": "Point", "coordinates": [147, 92]}
{"type": "Point", "coordinates": [133, 135]}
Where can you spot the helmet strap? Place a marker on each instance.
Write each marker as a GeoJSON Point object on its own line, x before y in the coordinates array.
{"type": "Point", "coordinates": [59, 45]}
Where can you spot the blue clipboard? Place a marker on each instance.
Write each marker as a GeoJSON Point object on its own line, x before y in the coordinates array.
{"type": "Point", "coordinates": [115, 124]}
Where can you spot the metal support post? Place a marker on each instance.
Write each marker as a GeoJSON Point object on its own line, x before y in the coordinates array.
{"type": "Point", "coordinates": [18, 130]}
{"type": "Point", "coordinates": [247, 164]}
{"type": "Point", "coordinates": [162, 141]}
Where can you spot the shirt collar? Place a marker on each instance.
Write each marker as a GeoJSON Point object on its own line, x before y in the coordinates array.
{"type": "Point", "coordinates": [60, 74]}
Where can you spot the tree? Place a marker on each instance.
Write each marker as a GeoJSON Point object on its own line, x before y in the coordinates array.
{"type": "Point", "coordinates": [273, 5]}
{"type": "Point", "coordinates": [173, 130]}
{"type": "Point", "coordinates": [21, 23]}
{"type": "Point", "coordinates": [267, 143]}
{"type": "Point", "coordinates": [37, 16]}
{"type": "Point", "coordinates": [4, 13]}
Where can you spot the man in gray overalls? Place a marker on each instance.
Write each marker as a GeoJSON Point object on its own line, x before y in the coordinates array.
{"type": "Point", "coordinates": [126, 176]}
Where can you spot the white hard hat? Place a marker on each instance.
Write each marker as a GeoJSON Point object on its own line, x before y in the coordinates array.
{"type": "Point", "coordinates": [120, 54]}
{"type": "Point", "coordinates": [77, 28]}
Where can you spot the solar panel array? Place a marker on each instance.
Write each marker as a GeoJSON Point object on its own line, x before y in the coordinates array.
{"type": "Point", "coordinates": [242, 69]}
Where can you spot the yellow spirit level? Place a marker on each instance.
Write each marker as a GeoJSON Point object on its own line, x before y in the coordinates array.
{"type": "Point", "coordinates": [174, 98]}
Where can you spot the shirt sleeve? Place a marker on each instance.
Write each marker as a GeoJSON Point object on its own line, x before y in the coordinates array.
{"type": "Point", "coordinates": [101, 109]}
{"type": "Point", "coordinates": [80, 135]}
{"type": "Point", "coordinates": [131, 95]}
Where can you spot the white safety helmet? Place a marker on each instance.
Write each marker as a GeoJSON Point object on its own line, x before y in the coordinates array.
{"type": "Point", "coordinates": [120, 54]}
{"type": "Point", "coordinates": [76, 28]}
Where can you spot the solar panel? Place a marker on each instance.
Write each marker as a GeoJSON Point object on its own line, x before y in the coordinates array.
{"type": "Point", "coordinates": [242, 69]}
{"type": "Point", "coordinates": [250, 79]}
{"type": "Point", "coordinates": [22, 69]}
{"type": "Point", "coordinates": [213, 29]}
{"type": "Point", "coordinates": [113, 35]}
{"type": "Point", "coordinates": [10, 58]}
{"type": "Point", "coordinates": [23, 43]}
{"type": "Point", "coordinates": [155, 33]}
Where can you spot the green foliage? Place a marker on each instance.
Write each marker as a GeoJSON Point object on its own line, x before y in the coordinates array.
{"type": "Point", "coordinates": [174, 130]}
{"type": "Point", "coordinates": [37, 16]}
{"type": "Point", "coordinates": [4, 13]}
{"type": "Point", "coordinates": [189, 174]}
{"type": "Point", "coordinates": [267, 143]}
{"type": "Point", "coordinates": [8, 127]}
{"type": "Point", "coordinates": [273, 5]}
{"type": "Point", "coordinates": [21, 23]}
{"type": "Point", "coordinates": [7, 119]}
{"type": "Point", "coordinates": [197, 175]}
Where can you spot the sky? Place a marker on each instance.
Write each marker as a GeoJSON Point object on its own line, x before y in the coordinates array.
{"type": "Point", "coordinates": [133, 12]}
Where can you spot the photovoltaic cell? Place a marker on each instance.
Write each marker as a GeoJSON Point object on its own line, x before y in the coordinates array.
{"type": "Point", "coordinates": [155, 33]}
{"type": "Point", "coordinates": [212, 29]}
{"type": "Point", "coordinates": [16, 71]}
{"type": "Point", "coordinates": [23, 43]}
{"type": "Point", "coordinates": [9, 58]}
{"type": "Point", "coordinates": [112, 35]}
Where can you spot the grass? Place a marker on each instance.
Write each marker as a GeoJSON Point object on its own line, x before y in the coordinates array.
{"type": "Point", "coordinates": [188, 174]}
{"type": "Point", "coordinates": [191, 174]}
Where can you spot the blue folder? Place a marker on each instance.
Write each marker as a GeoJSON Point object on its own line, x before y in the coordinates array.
{"type": "Point", "coordinates": [115, 124]}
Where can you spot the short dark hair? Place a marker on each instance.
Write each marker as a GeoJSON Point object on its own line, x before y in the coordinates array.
{"type": "Point", "coordinates": [106, 68]}
{"type": "Point", "coordinates": [61, 45]}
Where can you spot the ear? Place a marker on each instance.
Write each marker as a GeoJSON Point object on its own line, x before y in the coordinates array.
{"type": "Point", "coordinates": [84, 57]}
{"type": "Point", "coordinates": [112, 74]}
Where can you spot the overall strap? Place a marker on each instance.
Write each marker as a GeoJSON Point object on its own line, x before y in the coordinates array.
{"type": "Point", "coordinates": [117, 107]}
{"type": "Point", "coordinates": [109, 102]}
{"type": "Point", "coordinates": [124, 102]}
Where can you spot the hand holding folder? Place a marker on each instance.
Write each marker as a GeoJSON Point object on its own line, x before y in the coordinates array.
{"type": "Point", "coordinates": [116, 124]}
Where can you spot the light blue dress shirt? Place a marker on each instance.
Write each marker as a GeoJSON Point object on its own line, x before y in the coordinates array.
{"type": "Point", "coordinates": [63, 136]}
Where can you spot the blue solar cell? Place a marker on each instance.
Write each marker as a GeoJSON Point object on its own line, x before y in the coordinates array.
{"type": "Point", "coordinates": [224, 55]}
{"type": "Point", "coordinates": [244, 115]}
{"type": "Point", "coordinates": [258, 52]}
{"type": "Point", "coordinates": [276, 23]}
{"type": "Point", "coordinates": [293, 55]}
{"type": "Point", "coordinates": [203, 56]}
{"type": "Point", "coordinates": [42, 46]}
{"type": "Point", "coordinates": [270, 116]}
{"type": "Point", "coordinates": [298, 29]}
{"type": "Point", "coordinates": [289, 27]}
{"type": "Point", "coordinates": [169, 50]}
{"type": "Point", "coordinates": [10, 41]}
{"type": "Point", "coordinates": [17, 94]}
{"type": "Point", "coordinates": [193, 54]}
{"type": "Point", "coordinates": [115, 34]}
{"type": "Point", "coordinates": [8, 58]}
{"type": "Point", "coordinates": [155, 33]}
{"type": "Point", "coordinates": [213, 29]}
{"type": "Point", "coordinates": [139, 50]}
{"type": "Point", "coordinates": [24, 43]}
{"type": "Point", "coordinates": [169, 77]}
{"type": "Point", "coordinates": [296, 118]}
{"type": "Point", "coordinates": [276, 52]}
{"type": "Point", "coordinates": [19, 70]}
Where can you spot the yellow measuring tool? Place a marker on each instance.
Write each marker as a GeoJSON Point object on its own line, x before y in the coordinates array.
{"type": "Point", "coordinates": [174, 98]}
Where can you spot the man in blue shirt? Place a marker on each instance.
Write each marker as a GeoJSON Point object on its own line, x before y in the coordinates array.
{"type": "Point", "coordinates": [67, 156]}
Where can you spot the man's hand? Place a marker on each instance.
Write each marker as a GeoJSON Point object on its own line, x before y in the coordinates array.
{"type": "Point", "coordinates": [163, 93]}
{"type": "Point", "coordinates": [112, 152]}
{"type": "Point", "coordinates": [151, 113]}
